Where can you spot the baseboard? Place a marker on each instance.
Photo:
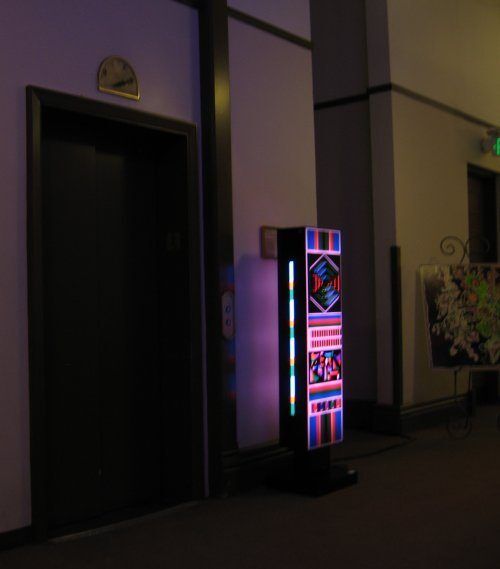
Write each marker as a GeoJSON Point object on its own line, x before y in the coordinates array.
{"type": "Point", "coordinates": [394, 420]}
{"type": "Point", "coordinates": [15, 538]}
{"type": "Point", "coordinates": [253, 466]}
{"type": "Point", "coordinates": [248, 468]}
{"type": "Point", "coordinates": [430, 413]}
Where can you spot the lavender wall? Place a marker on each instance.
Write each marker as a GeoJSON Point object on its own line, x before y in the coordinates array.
{"type": "Point", "coordinates": [273, 184]}
{"type": "Point", "coordinates": [289, 15]}
{"type": "Point", "coordinates": [59, 45]}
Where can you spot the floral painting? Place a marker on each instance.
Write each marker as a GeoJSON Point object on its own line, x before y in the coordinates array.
{"type": "Point", "coordinates": [463, 314]}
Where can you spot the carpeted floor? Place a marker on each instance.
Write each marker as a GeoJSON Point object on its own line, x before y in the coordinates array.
{"type": "Point", "coordinates": [434, 503]}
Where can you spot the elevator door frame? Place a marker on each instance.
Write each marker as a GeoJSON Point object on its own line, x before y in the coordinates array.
{"type": "Point", "coordinates": [37, 100]}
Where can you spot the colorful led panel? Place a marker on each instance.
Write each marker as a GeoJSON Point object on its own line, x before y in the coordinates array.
{"type": "Point", "coordinates": [325, 429]}
{"type": "Point", "coordinates": [325, 366]}
{"type": "Point", "coordinates": [324, 345]}
{"type": "Point", "coordinates": [324, 283]}
{"type": "Point", "coordinates": [311, 371]}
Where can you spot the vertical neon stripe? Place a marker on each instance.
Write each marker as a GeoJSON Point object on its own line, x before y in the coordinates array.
{"type": "Point", "coordinates": [310, 238]}
{"type": "Point", "coordinates": [338, 426]}
{"type": "Point", "coordinates": [336, 242]}
{"type": "Point", "coordinates": [291, 315]}
{"type": "Point", "coordinates": [312, 432]}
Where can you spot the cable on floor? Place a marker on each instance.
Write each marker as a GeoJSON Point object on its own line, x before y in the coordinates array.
{"type": "Point", "coordinates": [407, 440]}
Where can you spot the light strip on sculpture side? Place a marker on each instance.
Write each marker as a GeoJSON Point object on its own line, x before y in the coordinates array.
{"type": "Point", "coordinates": [291, 311]}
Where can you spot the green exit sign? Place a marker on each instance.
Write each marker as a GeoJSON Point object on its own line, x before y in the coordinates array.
{"type": "Point", "coordinates": [496, 146]}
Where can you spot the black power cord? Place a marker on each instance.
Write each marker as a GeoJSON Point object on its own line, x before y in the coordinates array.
{"type": "Point", "coordinates": [407, 440]}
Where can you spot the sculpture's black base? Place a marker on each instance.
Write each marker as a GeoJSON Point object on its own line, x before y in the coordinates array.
{"type": "Point", "coordinates": [315, 483]}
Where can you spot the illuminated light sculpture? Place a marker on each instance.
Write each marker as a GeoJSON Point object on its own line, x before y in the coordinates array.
{"type": "Point", "coordinates": [311, 371]}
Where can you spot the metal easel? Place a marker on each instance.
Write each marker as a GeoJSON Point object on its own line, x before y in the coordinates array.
{"type": "Point", "coordinates": [459, 424]}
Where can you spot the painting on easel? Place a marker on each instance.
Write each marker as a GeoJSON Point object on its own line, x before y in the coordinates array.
{"type": "Point", "coordinates": [462, 306]}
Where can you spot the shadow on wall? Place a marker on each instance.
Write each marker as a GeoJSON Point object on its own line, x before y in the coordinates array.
{"type": "Point", "coordinates": [358, 318]}
{"type": "Point", "coordinates": [257, 350]}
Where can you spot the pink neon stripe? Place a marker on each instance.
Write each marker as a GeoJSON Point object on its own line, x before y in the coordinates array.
{"type": "Point", "coordinates": [319, 387]}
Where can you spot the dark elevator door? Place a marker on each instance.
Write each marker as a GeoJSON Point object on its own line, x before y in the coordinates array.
{"type": "Point", "coordinates": [112, 194]}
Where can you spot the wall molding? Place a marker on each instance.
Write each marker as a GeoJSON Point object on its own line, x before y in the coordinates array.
{"type": "Point", "coordinates": [191, 3]}
{"type": "Point", "coordinates": [397, 420]}
{"type": "Point", "coordinates": [16, 538]}
{"type": "Point", "coordinates": [431, 413]}
{"type": "Point", "coordinates": [269, 28]}
{"type": "Point", "coordinates": [394, 87]}
{"type": "Point", "coordinates": [256, 23]}
{"type": "Point", "coordinates": [442, 106]}
{"type": "Point", "coordinates": [247, 468]}
{"type": "Point", "coordinates": [341, 101]}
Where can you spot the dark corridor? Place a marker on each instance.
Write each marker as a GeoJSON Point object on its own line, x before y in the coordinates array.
{"type": "Point", "coordinates": [483, 235]}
